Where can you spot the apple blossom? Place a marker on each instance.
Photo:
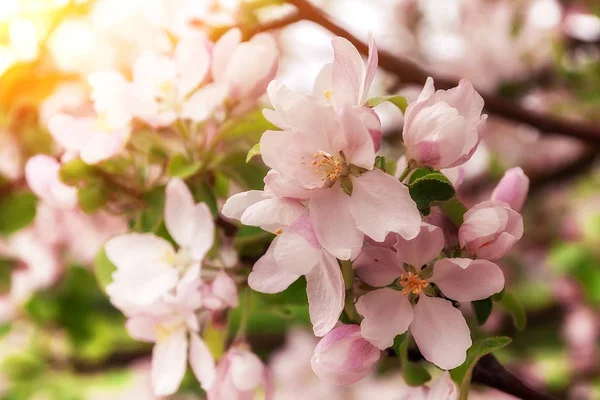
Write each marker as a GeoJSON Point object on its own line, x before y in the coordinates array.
{"type": "Point", "coordinates": [148, 266]}
{"type": "Point", "coordinates": [240, 375]}
{"type": "Point", "coordinates": [512, 188]}
{"type": "Point", "coordinates": [42, 174]}
{"type": "Point", "coordinates": [490, 229]}
{"type": "Point", "coordinates": [343, 357]}
{"type": "Point", "coordinates": [442, 129]}
{"type": "Point", "coordinates": [438, 328]}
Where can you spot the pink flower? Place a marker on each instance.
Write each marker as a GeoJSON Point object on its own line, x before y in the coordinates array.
{"type": "Point", "coordinates": [148, 267]}
{"type": "Point", "coordinates": [245, 68]}
{"type": "Point", "coordinates": [442, 129]}
{"type": "Point", "coordinates": [42, 174]}
{"type": "Point", "coordinates": [512, 188]}
{"type": "Point", "coordinates": [443, 389]}
{"type": "Point", "coordinates": [438, 328]}
{"type": "Point", "coordinates": [220, 294]}
{"type": "Point", "coordinates": [490, 229]}
{"type": "Point", "coordinates": [343, 357]}
{"type": "Point", "coordinates": [173, 326]}
{"type": "Point", "coordinates": [240, 373]}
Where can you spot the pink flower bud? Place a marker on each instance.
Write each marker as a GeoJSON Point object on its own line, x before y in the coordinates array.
{"type": "Point", "coordinates": [512, 188]}
{"type": "Point", "coordinates": [221, 293]}
{"type": "Point", "coordinates": [442, 129]}
{"type": "Point", "coordinates": [490, 229]}
{"type": "Point", "coordinates": [343, 357]}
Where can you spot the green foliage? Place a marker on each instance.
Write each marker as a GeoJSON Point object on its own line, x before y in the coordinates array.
{"type": "Point", "coordinates": [398, 101]}
{"type": "Point", "coordinates": [93, 196]}
{"type": "Point", "coordinates": [179, 166]}
{"type": "Point", "coordinates": [430, 188]}
{"type": "Point", "coordinates": [103, 269]}
{"type": "Point", "coordinates": [581, 263]}
{"type": "Point", "coordinates": [414, 374]}
{"type": "Point", "coordinates": [483, 309]}
{"type": "Point", "coordinates": [462, 374]}
{"type": "Point", "coordinates": [76, 171]}
{"type": "Point", "coordinates": [17, 210]}
{"type": "Point", "coordinates": [249, 175]}
{"type": "Point", "coordinates": [509, 302]}
{"type": "Point", "coordinates": [251, 241]}
{"type": "Point", "coordinates": [251, 126]}
{"type": "Point", "coordinates": [380, 163]}
{"type": "Point", "coordinates": [454, 210]}
{"type": "Point", "coordinates": [254, 151]}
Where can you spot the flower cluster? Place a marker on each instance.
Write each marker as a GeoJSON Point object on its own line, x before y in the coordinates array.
{"type": "Point", "coordinates": [332, 205]}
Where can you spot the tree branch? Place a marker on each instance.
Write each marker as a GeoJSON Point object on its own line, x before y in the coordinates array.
{"type": "Point", "coordinates": [409, 72]}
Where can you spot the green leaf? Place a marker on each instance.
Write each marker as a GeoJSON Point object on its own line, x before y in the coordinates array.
{"type": "Point", "coordinates": [254, 151]}
{"type": "Point", "coordinates": [249, 175]}
{"type": "Point", "coordinates": [17, 210]}
{"type": "Point", "coordinates": [483, 309]}
{"type": "Point", "coordinates": [180, 167]}
{"type": "Point", "coordinates": [462, 374]}
{"type": "Point", "coordinates": [251, 126]}
{"type": "Point", "coordinates": [398, 101]}
{"type": "Point", "coordinates": [414, 374]}
{"type": "Point", "coordinates": [103, 269]}
{"type": "Point", "coordinates": [76, 171]}
{"type": "Point", "coordinates": [93, 196]}
{"type": "Point", "coordinates": [454, 210]}
{"type": "Point", "coordinates": [419, 173]}
{"type": "Point", "coordinates": [509, 302]}
{"type": "Point", "coordinates": [430, 188]}
{"type": "Point", "coordinates": [207, 196]}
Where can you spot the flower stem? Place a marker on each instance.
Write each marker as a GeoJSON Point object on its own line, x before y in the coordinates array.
{"type": "Point", "coordinates": [405, 173]}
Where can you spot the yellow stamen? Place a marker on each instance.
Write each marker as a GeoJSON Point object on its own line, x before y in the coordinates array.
{"type": "Point", "coordinates": [162, 332]}
{"type": "Point", "coordinates": [327, 165]}
{"type": "Point", "coordinates": [279, 231]}
{"type": "Point", "coordinates": [102, 124]}
{"type": "Point", "coordinates": [412, 283]}
{"type": "Point", "coordinates": [169, 257]}
{"type": "Point", "coordinates": [328, 94]}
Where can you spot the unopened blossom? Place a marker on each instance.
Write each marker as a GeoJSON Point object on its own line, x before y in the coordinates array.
{"type": "Point", "coordinates": [443, 129]}
{"type": "Point", "coordinates": [42, 174]}
{"type": "Point", "coordinates": [173, 326]}
{"type": "Point", "coordinates": [512, 188]}
{"type": "Point", "coordinates": [221, 293]}
{"type": "Point", "coordinates": [241, 375]}
{"type": "Point", "coordinates": [294, 252]}
{"type": "Point", "coordinates": [439, 329]}
{"type": "Point", "coordinates": [343, 357]}
{"type": "Point", "coordinates": [148, 266]}
{"type": "Point", "coordinates": [323, 149]}
{"type": "Point", "coordinates": [490, 229]}
{"type": "Point", "coordinates": [245, 68]}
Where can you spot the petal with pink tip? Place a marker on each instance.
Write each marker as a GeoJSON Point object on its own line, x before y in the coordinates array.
{"type": "Point", "coordinates": [441, 332]}
{"type": "Point", "coordinates": [334, 224]}
{"type": "Point", "coordinates": [246, 370]}
{"type": "Point", "coordinates": [425, 247]}
{"type": "Point", "coordinates": [512, 188]}
{"type": "Point", "coordinates": [380, 204]}
{"type": "Point", "coordinates": [222, 53]}
{"type": "Point", "coordinates": [267, 276]}
{"type": "Point", "coordinates": [443, 389]}
{"type": "Point", "coordinates": [169, 360]}
{"type": "Point", "coordinates": [297, 251]}
{"type": "Point", "coordinates": [273, 214]}
{"type": "Point", "coordinates": [325, 290]}
{"type": "Point", "coordinates": [371, 68]}
{"type": "Point", "coordinates": [348, 72]}
{"type": "Point", "coordinates": [202, 362]}
{"type": "Point", "coordinates": [386, 313]}
{"type": "Point", "coordinates": [477, 281]}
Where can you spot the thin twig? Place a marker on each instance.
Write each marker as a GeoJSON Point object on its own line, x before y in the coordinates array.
{"type": "Point", "coordinates": [409, 72]}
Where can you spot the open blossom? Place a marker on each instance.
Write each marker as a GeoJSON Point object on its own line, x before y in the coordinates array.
{"type": "Point", "coordinates": [42, 174]}
{"type": "Point", "coordinates": [442, 129]}
{"type": "Point", "coordinates": [295, 251]}
{"type": "Point", "coordinates": [438, 328]}
{"type": "Point", "coordinates": [240, 375]}
{"type": "Point", "coordinates": [148, 266]}
{"type": "Point", "coordinates": [343, 357]}
{"type": "Point", "coordinates": [323, 148]}
{"type": "Point", "coordinates": [173, 326]}
{"type": "Point", "coordinates": [490, 229]}
{"type": "Point", "coordinates": [512, 188]}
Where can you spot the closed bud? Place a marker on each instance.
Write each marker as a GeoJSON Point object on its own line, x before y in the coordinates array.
{"type": "Point", "coordinates": [512, 188]}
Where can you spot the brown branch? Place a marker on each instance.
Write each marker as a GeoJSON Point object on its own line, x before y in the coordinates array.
{"type": "Point", "coordinates": [409, 72]}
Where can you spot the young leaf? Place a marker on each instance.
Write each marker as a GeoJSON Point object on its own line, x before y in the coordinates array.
{"type": "Point", "coordinates": [93, 196]}
{"type": "Point", "coordinates": [413, 373]}
{"type": "Point", "coordinates": [454, 210]}
{"type": "Point", "coordinates": [398, 101]}
{"type": "Point", "coordinates": [510, 303]}
{"type": "Point", "coordinates": [483, 309]}
{"type": "Point", "coordinates": [179, 166]}
{"type": "Point", "coordinates": [462, 374]}
{"type": "Point", "coordinates": [430, 188]}
{"type": "Point", "coordinates": [75, 171]}
{"type": "Point", "coordinates": [17, 210]}
{"type": "Point", "coordinates": [103, 269]}
{"type": "Point", "coordinates": [254, 151]}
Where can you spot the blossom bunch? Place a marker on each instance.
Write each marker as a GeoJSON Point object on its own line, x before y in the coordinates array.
{"type": "Point", "coordinates": [377, 251]}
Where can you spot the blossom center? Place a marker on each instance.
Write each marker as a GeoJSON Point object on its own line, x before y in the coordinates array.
{"type": "Point", "coordinates": [328, 94]}
{"type": "Point", "coordinates": [181, 259]}
{"type": "Point", "coordinates": [412, 283]}
{"type": "Point", "coordinates": [163, 331]}
{"type": "Point", "coordinates": [101, 125]}
{"type": "Point", "coordinates": [328, 166]}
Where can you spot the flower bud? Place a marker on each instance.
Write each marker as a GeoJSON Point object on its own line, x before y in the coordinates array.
{"type": "Point", "coordinates": [512, 188]}
{"type": "Point", "coordinates": [490, 229]}
{"type": "Point", "coordinates": [343, 357]}
{"type": "Point", "coordinates": [442, 129]}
